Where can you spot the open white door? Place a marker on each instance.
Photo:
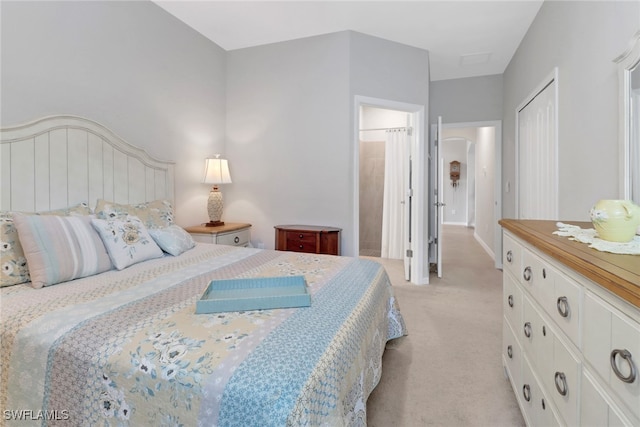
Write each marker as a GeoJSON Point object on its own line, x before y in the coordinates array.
{"type": "Point", "coordinates": [408, 250]}
{"type": "Point", "coordinates": [440, 193]}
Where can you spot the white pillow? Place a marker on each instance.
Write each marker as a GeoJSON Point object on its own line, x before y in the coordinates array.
{"type": "Point", "coordinates": [127, 241]}
{"type": "Point", "coordinates": [173, 239]}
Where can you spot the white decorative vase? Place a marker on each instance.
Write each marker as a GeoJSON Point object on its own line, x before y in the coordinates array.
{"type": "Point", "coordinates": [615, 220]}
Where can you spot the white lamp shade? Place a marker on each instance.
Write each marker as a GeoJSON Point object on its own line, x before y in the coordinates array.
{"type": "Point", "coordinates": [216, 171]}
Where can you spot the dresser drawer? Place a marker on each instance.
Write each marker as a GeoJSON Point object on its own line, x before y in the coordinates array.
{"type": "Point", "coordinates": [537, 408]}
{"type": "Point", "coordinates": [595, 411]}
{"type": "Point", "coordinates": [564, 377]}
{"type": "Point", "coordinates": [511, 255]}
{"type": "Point", "coordinates": [565, 306]}
{"type": "Point", "coordinates": [512, 356]}
{"type": "Point", "coordinates": [537, 277]}
{"type": "Point", "coordinates": [537, 338]}
{"type": "Point", "coordinates": [512, 301]}
{"type": "Point", "coordinates": [609, 334]}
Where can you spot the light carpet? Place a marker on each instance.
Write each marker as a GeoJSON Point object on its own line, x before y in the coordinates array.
{"type": "Point", "coordinates": [448, 370]}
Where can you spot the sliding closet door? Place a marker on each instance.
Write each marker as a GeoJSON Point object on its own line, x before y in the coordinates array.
{"type": "Point", "coordinates": [537, 156]}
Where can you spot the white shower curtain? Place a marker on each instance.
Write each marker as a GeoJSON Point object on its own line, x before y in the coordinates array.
{"type": "Point", "coordinates": [395, 185]}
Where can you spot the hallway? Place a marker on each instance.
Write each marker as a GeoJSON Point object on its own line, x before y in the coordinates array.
{"type": "Point", "coordinates": [448, 370]}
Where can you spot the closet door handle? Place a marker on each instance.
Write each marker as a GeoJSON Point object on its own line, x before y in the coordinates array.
{"type": "Point", "coordinates": [526, 392]}
{"type": "Point", "coordinates": [509, 256]}
{"type": "Point", "coordinates": [561, 383]}
{"type": "Point", "coordinates": [563, 306]}
{"type": "Point", "coordinates": [526, 274]}
{"type": "Point", "coordinates": [510, 301]}
{"type": "Point", "coordinates": [626, 355]}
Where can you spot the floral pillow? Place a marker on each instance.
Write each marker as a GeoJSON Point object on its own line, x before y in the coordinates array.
{"type": "Point", "coordinates": [127, 241]}
{"type": "Point", "coordinates": [173, 239]}
{"type": "Point", "coordinates": [12, 260]}
{"type": "Point", "coordinates": [156, 214]}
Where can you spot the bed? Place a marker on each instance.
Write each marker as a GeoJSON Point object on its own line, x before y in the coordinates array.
{"type": "Point", "coordinates": [121, 344]}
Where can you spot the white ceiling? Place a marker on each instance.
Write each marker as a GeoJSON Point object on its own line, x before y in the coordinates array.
{"type": "Point", "coordinates": [464, 38]}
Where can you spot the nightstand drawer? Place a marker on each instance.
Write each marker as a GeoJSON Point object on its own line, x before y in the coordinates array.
{"type": "Point", "coordinates": [231, 234]}
{"type": "Point", "coordinates": [236, 238]}
{"type": "Point", "coordinates": [301, 246]}
{"type": "Point", "coordinates": [297, 236]}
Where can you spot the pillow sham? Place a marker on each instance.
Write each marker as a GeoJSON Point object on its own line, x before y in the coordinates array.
{"type": "Point", "coordinates": [13, 264]}
{"type": "Point", "coordinates": [60, 248]}
{"type": "Point", "coordinates": [173, 239]}
{"type": "Point", "coordinates": [156, 214]}
{"type": "Point", "coordinates": [127, 241]}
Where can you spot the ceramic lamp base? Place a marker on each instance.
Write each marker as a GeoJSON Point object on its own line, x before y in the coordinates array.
{"type": "Point", "coordinates": [214, 207]}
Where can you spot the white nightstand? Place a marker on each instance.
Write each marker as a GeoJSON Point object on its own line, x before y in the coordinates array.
{"type": "Point", "coordinates": [233, 234]}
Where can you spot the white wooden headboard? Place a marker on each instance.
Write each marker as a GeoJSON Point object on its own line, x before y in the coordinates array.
{"type": "Point", "coordinates": [59, 161]}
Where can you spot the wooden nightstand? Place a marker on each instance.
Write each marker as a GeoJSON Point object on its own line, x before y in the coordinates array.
{"type": "Point", "coordinates": [233, 234]}
{"type": "Point", "coordinates": [308, 238]}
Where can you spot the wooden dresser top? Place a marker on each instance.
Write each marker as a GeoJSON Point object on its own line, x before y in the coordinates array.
{"type": "Point", "coordinates": [619, 274]}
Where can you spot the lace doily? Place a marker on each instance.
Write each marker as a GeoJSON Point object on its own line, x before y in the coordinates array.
{"type": "Point", "coordinates": [590, 236]}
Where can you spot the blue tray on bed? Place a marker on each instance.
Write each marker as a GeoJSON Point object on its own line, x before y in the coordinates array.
{"type": "Point", "coordinates": [259, 293]}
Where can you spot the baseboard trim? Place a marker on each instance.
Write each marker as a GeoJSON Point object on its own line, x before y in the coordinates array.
{"type": "Point", "coordinates": [484, 246]}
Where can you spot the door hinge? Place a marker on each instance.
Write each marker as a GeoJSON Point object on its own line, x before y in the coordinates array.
{"type": "Point", "coordinates": [409, 253]}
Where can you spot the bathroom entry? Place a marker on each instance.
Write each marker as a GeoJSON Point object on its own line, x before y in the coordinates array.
{"type": "Point", "coordinates": [384, 176]}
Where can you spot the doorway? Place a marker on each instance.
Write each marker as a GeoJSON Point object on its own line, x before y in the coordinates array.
{"type": "Point", "coordinates": [375, 117]}
{"type": "Point", "coordinates": [384, 142]}
{"type": "Point", "coordinates": [476, 199]}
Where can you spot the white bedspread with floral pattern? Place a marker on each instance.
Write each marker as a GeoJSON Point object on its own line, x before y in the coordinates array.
{"type": "Point", "coordinates": [126, 347]}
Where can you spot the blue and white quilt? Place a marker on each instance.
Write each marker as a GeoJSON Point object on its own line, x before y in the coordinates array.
{"type": "Point", "coordinates": [125, 348]}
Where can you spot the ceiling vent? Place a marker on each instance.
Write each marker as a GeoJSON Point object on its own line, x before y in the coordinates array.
{"type": "Point", "coordinates": [474, 58]}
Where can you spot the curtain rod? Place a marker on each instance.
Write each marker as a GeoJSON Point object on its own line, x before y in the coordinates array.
{"type": "Point", "coordinates": [400, 128]}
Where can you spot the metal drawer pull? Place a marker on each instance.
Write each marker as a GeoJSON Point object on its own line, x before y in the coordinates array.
{"type": "Point", "coordinates": [301, 246]}
{"type": "Point", "coordinates": [626, 355]}
{"type": "Point", "coordinates": [544, 331]}
{"type": "Point", "coordinates": [236, 239]}
{"type": "Point", "coordinates": [510, 352]}
{"type": "Point", "coordinates": [526, 392]}
{"type": "Point", "coordinates": [544, 407]}
{"type": "Point", "coordinates": [509, 256]}
{"type": "Point", "coordinates": [301, 236]}
{"type": "Point", "coordinates": [544, 273]}
{"type": "Point", "coordinates": [563, 306]}
{"type": "Point", "coordinates": [561, 383]}
{"type": "Point", "coordinates": [526, 274]}
{"type": "Point", "coordinates": [510, 301]}
{"type": "Point", "coordinates": [527, 329]}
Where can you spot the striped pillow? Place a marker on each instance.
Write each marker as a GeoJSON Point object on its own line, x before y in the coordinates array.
{"type": "Point", "coordinates": [59, 248]}
{"type": "Point", "coordinates": [12, 261]}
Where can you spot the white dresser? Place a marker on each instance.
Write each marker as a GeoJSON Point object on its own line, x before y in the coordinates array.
{"type": "Point", "coordinates": [571, 333]}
